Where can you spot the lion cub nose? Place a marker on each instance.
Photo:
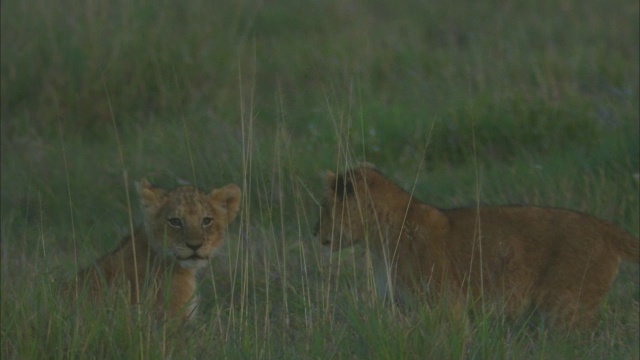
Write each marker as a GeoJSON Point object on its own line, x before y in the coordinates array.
{"type": "Point", "coordinates": [194, 247]}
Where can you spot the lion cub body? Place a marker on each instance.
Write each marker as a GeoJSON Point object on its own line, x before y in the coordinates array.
{"type": "Point", "coordinates": [181, 230]}
{"type": "Point", "coordinates": [558, 261]}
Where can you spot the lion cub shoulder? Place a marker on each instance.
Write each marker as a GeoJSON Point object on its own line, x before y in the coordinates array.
{"type": "Point", "coordinates": [557, 261]}
{"type": "Point", "coordinates": [181, 229]}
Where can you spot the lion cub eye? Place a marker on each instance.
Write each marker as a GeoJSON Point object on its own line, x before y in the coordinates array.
{"type": "Point", "coordinates": [175, 222]}
{"type": "Point", "coordinates": [207, 221]}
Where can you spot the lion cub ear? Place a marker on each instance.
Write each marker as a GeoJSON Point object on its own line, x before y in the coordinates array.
{"type": "Point", "coordinates": [339, 185]}
{"type": "Point", "coordinates": [330, 181]}
{"type": "Point", "coordinates": [230, 197]}
{"type": "Point", "coordinates": [149, 196]}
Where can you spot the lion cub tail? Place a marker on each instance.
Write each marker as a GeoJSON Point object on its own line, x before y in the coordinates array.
{"type": "Point", "coordinates": [628, 247]}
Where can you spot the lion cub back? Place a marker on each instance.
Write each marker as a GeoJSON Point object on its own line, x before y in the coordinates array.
{"type": "Point", "coordinates": [559, 261]}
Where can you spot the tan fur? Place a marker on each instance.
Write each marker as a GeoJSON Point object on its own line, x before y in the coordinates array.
{"type": "Point", "coordinates": [558, 261]}
{"type": "Point", "coordinates": [181, 230]}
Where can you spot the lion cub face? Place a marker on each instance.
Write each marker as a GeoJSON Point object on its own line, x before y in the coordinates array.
{"type": "Point", "coordinates": [344, 216]}
{"type": "Point", "coordinates": [186, 224]}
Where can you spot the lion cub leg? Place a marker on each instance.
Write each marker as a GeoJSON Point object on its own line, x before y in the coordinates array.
{"type": "Point", "coordinates": [571, 291]}
{"type": "Point", "coordinates": [183, 300]}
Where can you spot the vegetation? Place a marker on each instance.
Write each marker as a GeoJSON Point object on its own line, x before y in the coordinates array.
{"type": "Point", "coordinates": [494, 101]}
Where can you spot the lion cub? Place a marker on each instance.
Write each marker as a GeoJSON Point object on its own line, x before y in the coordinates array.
{"type": "Point", "coordinates": [557, 261]}
{"type": "Point", "coordinates": [181, 230]}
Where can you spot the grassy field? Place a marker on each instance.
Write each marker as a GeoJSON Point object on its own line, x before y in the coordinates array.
{"type": "Point", "coordinates": [497, 101]}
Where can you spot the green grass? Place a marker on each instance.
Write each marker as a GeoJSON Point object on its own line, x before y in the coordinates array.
{"type": "Point", "coordinates": [515, 102]}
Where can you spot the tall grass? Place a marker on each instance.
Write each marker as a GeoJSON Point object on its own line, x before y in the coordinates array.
{"type": "Point", "coordinates": [269, 96]}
